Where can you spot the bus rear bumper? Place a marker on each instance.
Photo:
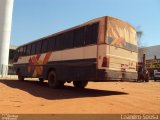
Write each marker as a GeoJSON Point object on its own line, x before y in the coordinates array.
{"type": "Point", "coordinates": [111, 75]}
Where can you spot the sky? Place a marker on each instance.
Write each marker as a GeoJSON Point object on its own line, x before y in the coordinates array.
{"type": "Point", "coordinates": [33, 19]}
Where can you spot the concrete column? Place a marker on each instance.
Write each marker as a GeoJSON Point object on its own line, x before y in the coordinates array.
{"type": "Point", "coordinates": [6, 7]}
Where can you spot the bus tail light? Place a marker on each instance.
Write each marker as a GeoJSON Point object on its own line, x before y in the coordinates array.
{"type": "Point", "coordinates": [105, 62]}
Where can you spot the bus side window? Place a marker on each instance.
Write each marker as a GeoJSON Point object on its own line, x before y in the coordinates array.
{"type": "Point", "coordinates": [91, 34]}
{"type": "Point", "coordinates": [69, 37]}
{"type": "Point", "coordinates": [38, 47]}
{"type": "Point", "coordinates": [63, 41]}
{"type": "Point", "coordinates": [33, 48]}
{"type": "Point", "coordinates": [28, 52]}
{"type": "Point", "coordinates": [79, 37]}
{"type": "Point", "coordinates": [59, 42]}
{"type": "Point", "coordinates": [21, 51]}
{"type": "Point", "coordinates": [16, 55]}
{"type": "Point", "coordinates": [24, 50]}
{"type": "Point", "coordinates": [95, 28]}
{"type": "Point", "coordinates": [18, 52]}
{"type": "Point", "coordinates": [44, 45]}
{"type": "Point", "coordinates": [51, 44]}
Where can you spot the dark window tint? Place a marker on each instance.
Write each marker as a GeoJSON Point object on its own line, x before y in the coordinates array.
{"type": "Point", "coordinates": [21, 51]}
{"type": "Point", "coordinates": [59, 42]}
{"type": "Point", "coordinates": [18, 50]}
{"type": "Point", "coordinates": [65, 40]}
{"type": "Point", "coordinates": [79, 37]}
{"type": "Point", "coordinates": [68, 41]}
{"type": "Point", "coordinates": [38, 47]}
{"type": "Point", "coordinates": [51, 43]}
{"type": "Point", "coordinates": [91, 34]}
{"type": "Point", "coordinates": [44, 45]}
{"type": "Point", "coordinates": [28, 49]}
{"type": "Point", "coordinates": [33, 49]}
{"type": "Point", "coordinates": [24, 50]}
{"type": "Point", "coordinates": [95, 29]}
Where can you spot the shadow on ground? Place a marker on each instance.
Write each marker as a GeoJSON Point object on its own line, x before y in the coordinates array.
{"type": "Point", "coordinates": [42, 90]}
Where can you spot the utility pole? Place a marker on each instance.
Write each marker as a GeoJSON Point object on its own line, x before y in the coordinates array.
{"type": "Point", "coordinates": [6, 8]}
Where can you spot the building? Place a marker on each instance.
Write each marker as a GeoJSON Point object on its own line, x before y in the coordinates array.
{"type": "Point", "coordinates": [152, 56]}
{"type": "Point", "coordinates": [150, 52]}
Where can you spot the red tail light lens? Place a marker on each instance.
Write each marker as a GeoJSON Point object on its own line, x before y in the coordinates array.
{"type": "Point", "coordinates": [105, 62]}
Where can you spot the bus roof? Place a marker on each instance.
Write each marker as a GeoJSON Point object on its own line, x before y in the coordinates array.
{"type": "Point", "coordinates": [83, 24]}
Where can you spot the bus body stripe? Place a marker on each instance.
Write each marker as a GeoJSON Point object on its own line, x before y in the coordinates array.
{"type": "Point", "coordinates": [36, 62]}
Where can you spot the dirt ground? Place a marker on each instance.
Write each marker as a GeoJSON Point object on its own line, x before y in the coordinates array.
{"type": "Point", "coordinates": [110, 97]}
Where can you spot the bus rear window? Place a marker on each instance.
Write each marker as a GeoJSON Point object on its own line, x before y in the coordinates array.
{"type": "Point", "coordinates": [121, 34]}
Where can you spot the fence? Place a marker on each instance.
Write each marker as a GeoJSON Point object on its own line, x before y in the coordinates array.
{"type": "Point", "coordinates": [7, 71]}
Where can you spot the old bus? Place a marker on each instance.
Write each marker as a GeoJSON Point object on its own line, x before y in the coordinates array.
{"type": "Point", "coordinates": [100, 50]}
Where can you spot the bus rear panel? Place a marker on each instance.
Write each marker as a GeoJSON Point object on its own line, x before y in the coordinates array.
{"type": "Point", "coordinates": [118, 56]}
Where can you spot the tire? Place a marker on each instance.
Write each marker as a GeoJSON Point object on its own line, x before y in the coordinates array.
{"type": "Point", "coordinates": [147, 80]}
{"type": "Point", "coordinates": [155, 79]}
{"type": "Point", "coordinates": [20, 77]}
{"type": "Point", "coordinates": [52, 80]}
{"type": "Point", "coordinates": [80, 84]}
{"type": "Point", "coordinates": [41, 80]}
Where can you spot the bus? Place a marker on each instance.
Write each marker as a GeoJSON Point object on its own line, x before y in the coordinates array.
{"type": "Point", "coordinates": [100, 50]}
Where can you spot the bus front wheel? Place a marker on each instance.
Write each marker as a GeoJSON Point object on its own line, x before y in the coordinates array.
{"type": "Point", "coordinates": [80, 84]}
{"type": "Point", "coordinates": [52, 80]}
{"type": "Point", "coordinates": [20, 77]}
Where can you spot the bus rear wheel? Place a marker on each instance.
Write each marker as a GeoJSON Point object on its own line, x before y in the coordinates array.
{"type": "Point", "coordinates": [146, 80]}
{"type": "Point", "coordinates": [41, 80]}
{"type": "Point", "coordinates": [80, 84]}
{"type": "Point", "coordinates": [52, 80]}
